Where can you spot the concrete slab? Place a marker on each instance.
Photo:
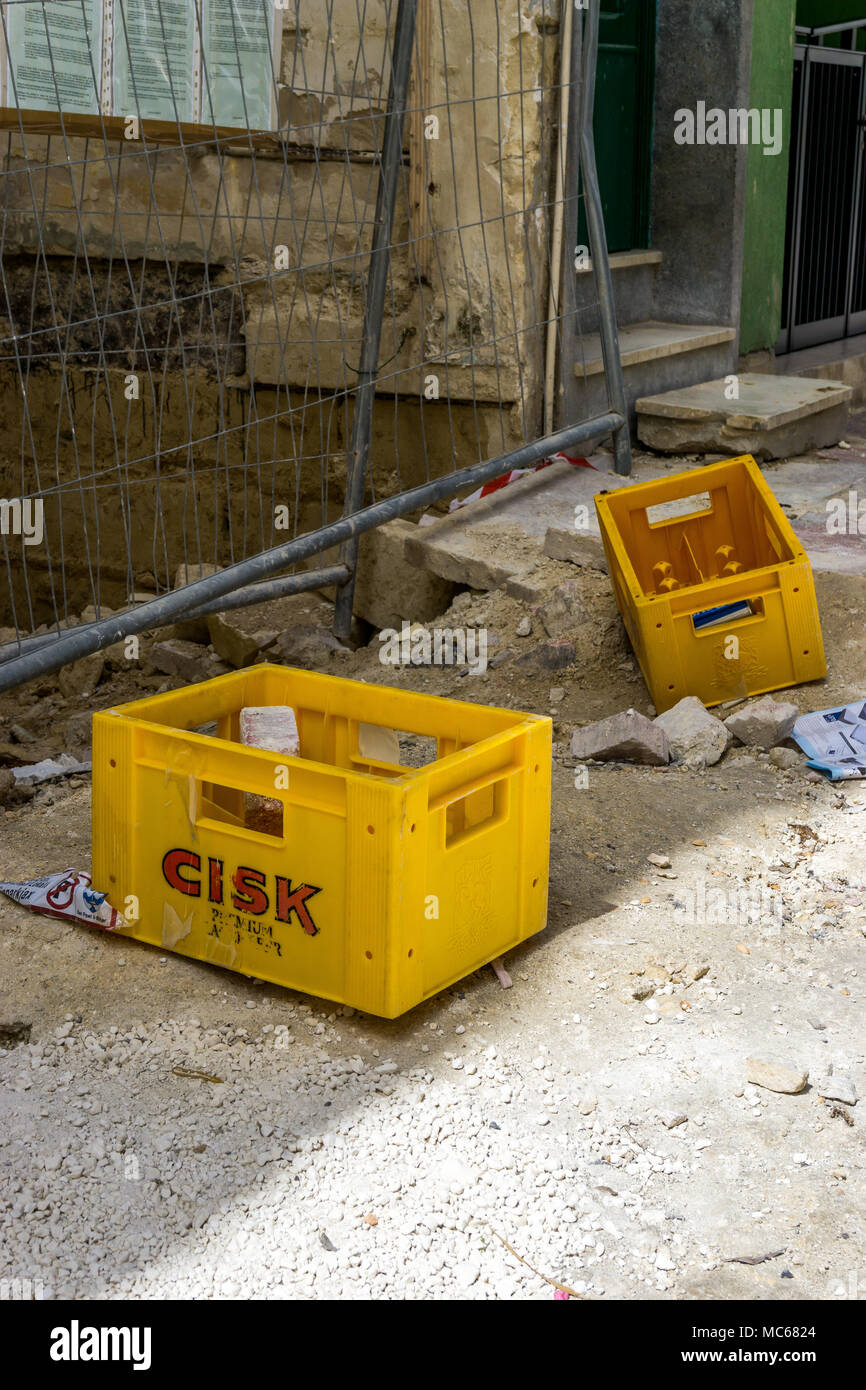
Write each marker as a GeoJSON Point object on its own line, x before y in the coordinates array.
{"type": "Point", "coordinates": [502, 536]}
{"type": "Point", "coordinates": [772, 417]}
{"type": "Point", "coordinates": [499, 541]}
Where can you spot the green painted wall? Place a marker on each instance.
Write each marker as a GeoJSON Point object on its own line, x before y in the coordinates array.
{"type": "Point", "coordinates": [767, 185]}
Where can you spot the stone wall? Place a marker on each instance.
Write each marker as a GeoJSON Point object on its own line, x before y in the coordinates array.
{"type": "Point", "coordinates": [257, 352]}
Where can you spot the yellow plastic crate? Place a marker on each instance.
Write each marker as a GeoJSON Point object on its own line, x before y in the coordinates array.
{"type": "Point", "coordinates": [384, 884]}
{"type": "Point", "coordinates": [670, 572]}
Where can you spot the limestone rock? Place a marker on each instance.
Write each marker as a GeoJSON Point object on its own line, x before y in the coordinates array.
{"type": "Point", "coordinates": [82, 677]}
{"type": "Point", "coordinates": [574, 547]}
{"type": "Point", "coordinates": [390, 588]}
{"type": "Point", "coordinates": [695, 735]}
{"type": "Point", "coordinates": [626, 737]}
{"type": "Point", "coordinates": [187, 660]}
{"type": "Point", "coordinates": [233, 644]}
{"type": "Point", "coordinates": [786, 758]}
{"type": "Point", "coordinates": [764, 723]}
{"type": "Point", "coordinates": [77, 734]}
{"type": "Point", "coordinates": [549, 656]}
{"type": "Point", "coordinates": [563, 611]}
{"type": "Point", "coordinates": [775, 1076]}
{"type": "Point", "coordinates": [306, 645]}
{"type": "Point", "coordinates": [837, 1088]}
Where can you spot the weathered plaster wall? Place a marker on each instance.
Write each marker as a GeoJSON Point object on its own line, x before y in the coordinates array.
{"type": "Point", "coordinates": [467, 292]}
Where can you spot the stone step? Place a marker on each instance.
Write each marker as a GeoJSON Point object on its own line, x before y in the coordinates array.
{"type": "Point", "coordinates": [771, 416]}
{"type": "Point", "coordinates": [651, 341]}
{"type": "Point", "coordinates": [633, 274]}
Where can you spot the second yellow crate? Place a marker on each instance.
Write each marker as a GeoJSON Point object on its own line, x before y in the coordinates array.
{"type": "Point", "coordinates": [380, 884]}
{"type": "Point", "coordinates": [714, 588]}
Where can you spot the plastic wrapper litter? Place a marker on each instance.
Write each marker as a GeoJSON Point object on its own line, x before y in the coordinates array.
{"type": "Point", "coordinates": [67, 894]}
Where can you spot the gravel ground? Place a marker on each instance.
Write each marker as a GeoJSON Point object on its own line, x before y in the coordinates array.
{"type": "Point", "coordinates": [596, 1117]}
{"type": "Point", "coordinates": [343, 1156]}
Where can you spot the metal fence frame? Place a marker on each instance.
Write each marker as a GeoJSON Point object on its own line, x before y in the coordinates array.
{"type": "Point", "coordinates": [850, 319]}
{"type": "Point", "coordinates": [252, 580]}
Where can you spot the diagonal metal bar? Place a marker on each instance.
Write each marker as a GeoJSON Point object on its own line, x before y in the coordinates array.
{"type": "Point", "coordinates": [181, 602]}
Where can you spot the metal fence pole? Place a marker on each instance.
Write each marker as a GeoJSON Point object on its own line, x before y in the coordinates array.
{"type": "Point", "coordinates": [598, 245]}
{"type": "Point", "coordinates": [380, 260]}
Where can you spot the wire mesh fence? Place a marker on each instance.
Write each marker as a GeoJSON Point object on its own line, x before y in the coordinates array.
{"type": "Point", "coordinates": [269, 274]}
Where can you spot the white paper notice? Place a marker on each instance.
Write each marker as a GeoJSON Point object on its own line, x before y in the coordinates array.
{"type": "Point", "coordinates": [54, 55]}
{"type": "Point", "coordinates": [241, 55]}
{"type": "Point", "coordinates": [154, 58]}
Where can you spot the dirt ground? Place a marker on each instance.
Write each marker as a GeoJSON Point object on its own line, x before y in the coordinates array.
{"type": "Point", "coordinates": [749, 945]}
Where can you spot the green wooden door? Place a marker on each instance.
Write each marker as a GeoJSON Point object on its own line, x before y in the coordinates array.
{"type": "Point", "coordinates": [623, 119]}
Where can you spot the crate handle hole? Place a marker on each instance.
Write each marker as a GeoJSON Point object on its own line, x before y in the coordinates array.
{"type": "Point", "coordinates": [231, 806]}
{"type": "Point", "coordinates": [697, 504]}
{"type": "Point", "coordinates": [476, 811]}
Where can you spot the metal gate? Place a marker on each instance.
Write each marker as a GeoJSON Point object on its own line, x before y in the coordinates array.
{"type": "Point", "coordinates": [824, 288]}
{"type": "Point", "coordinates": [214, 330]}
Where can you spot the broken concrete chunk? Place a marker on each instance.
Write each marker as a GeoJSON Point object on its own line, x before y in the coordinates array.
{"type": "Point", "coordinates": [233, 644]}
{"type": "Point", "coordinates": [661, 861]}
{"type": "Point", "coordinates": [764, 723]}
{"type": "Point", "coordinates": [695, 735]}
{"type": "Point", "coordinates": [563, 611]}
{"type": "Point", "coordinates": [82, 677]}
{"type": "Point", "coordinates": [187, 660]}
{"type": "Point", "coordinates": [524, 627]}
{"type": "Point", "coordinates": [307, 644]}
{"type": "Point", "coordinates": [64, 765]}
{"type": "Point", "coordinates": [786, 758]}
{"type": "Point", "coordinates": [389, 587]}
{"type": "Point", "coordinates": [671, 1119]}
{"type": "Point", "coordinates": [549, 656]}
{"type": "Point", "coordinates": [626, 737]}
{"type": "Point", "coordinates": [837, 1088]}
{"type": "Point", "coordinates": [12, 791]}
{"type": "Point", "coordinates": [775, 1076]}
{"type": "Point", "coordinates": [574, 547]}
{"type": "Point", "coordinates": [77, 734]}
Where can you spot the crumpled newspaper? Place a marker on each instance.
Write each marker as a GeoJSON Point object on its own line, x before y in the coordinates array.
{"type": "Point", "coordinates": [834, 740]}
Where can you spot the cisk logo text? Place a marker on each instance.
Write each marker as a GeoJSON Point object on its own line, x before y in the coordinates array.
{"type": "Point", "coordinates": [249, 890]}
